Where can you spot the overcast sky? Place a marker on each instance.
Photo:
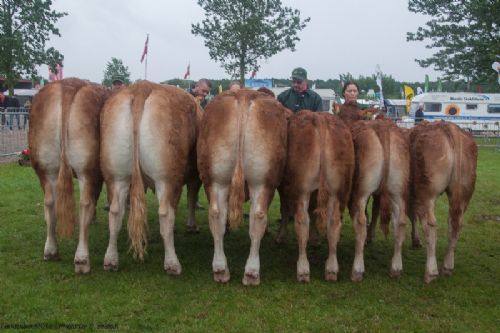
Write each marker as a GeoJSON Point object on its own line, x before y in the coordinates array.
{"type": "Point", "coordinates": [342, 36]}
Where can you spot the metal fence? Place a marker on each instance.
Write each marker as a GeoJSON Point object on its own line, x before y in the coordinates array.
{"type": "Point", "coordinates": [13, 130]}
{"type": "Point", "coordinates": [15, 124]}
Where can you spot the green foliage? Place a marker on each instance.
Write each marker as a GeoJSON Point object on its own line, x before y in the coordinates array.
{"type": "Point", "coordinates": [465, 34]}
{"type": "Point", "coordinates": [140, 297]}
{"type": "Point", "coordinates": [240, 33]}
{"type": "Point", "coordinates": [115, 69]}
{"type": "Point", "coordinates": [25, 26]}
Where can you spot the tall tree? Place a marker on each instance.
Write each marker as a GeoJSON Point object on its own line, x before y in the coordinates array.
{"type": "Point", "coordinates": [239, 33]}
{"type": "Point", "coordinates": [25, 26]}
{"type": "Point", "coordinates": [115, 69]}
{"type": "Point", "coordinates": [465, 34]}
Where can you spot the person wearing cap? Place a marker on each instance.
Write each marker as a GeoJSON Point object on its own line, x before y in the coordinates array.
{"type": "Point", "coordinates": [117, 83]}
{"type": "Point", "coordinates": [201, 90]}
{"type": "Point", "coordinates": [299, 96]}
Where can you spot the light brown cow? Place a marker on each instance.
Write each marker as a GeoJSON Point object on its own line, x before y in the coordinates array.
{"type": "Point", "coordinates": [148, 136]}
{"type": "Point", "coordinates": [382, 169]}
{"type": "Point", "coordinates": [64, 140]}
{"type": "Point", "coordinates": [242, 138]}
{"type": "Point", "coordinates": [320, 157]}
{"type": "Point", "coordinates": [443, 159]}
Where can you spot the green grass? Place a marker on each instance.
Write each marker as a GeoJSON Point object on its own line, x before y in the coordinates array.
{"type": "Point", "coordinates": [140, 297]}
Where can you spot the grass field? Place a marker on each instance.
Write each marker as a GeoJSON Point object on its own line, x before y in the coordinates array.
{"type": "Point", "coordinates": [47, 296]}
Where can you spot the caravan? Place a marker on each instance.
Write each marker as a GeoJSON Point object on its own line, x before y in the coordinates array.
{"type": "Point", "coordinates": [471, 111]}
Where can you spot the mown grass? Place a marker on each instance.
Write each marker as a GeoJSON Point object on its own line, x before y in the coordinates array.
{"type": "Point", "coordinates": [140, 297]}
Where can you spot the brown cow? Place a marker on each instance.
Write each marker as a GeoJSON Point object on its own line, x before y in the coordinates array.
{"type": "Point", "coordinates": [148, 135]}
{"type": "Point", "coordinates": [443, 159]}
{"type": "Point", "coordinates": [242, 138]}
{"type": "Point", "coordinates": [64, 140]}
{"type": "Point", "coordinates": [381, 169]}
{"type": "Point", "coordinates": [320, 157]}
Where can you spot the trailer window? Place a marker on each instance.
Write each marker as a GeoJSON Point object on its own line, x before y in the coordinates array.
{"type": "Point", "coordinates": [471, 106]}
{"type": "Point", "coordinates": [432, 107]}
{"type": "Point", "coordinates": [494, 108]}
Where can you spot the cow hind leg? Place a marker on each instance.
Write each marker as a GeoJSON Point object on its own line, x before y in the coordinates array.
{"type": "Point", "coordinates": [285, 216]}
{"type": "Point", "coordinates": [258, 222]}
{"type": "Point", "coordinates": [359, 224]}
{"type": "Point", "coordinates": [428, 220]}
{"type": "Point", "coordinates": [373, 220]}
{"type": "Point", "coordinates": [217, 217]}
{"type": "Point", "coordinates": [118, 198]}
{"type": "Point", "coordinates": [399, 223]}
{"type": "Point", "coordinates": [166, 214]}
{"type": "Point", "coordinates": [455, 221]}
{"type": "Point", "coordinates": [302, 222]}
{"type": "Point", "coordinates": [87, 214]}
{"type": "Point", "coordinates": [334, 223]}
{"type": "Point", "coordinates": [49, 182]}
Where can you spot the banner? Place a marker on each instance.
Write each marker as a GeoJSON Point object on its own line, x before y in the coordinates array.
{"type": "Point", "coordinates": [409, 94]}
{"type": "Point", "coordinates": [426, 84]}
{"type": "Point", "coordinates": [379, 84]}
{"type": "Point", "coordinates": [268, 83]}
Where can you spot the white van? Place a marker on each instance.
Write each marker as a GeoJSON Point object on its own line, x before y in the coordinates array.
{"type": "Point", "coordinates": [472, 111]}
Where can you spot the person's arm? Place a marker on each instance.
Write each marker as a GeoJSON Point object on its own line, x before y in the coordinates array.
{"type": "Point", "coordinates": [318, 103]}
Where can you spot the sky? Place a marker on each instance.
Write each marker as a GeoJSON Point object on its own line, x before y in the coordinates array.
{"type": "Point", "coordinates": [343, 36]}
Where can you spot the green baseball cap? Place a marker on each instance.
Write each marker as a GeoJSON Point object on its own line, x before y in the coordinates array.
{"type": "Point", "coordinates": [299, 73]}
{"type": "Point", "coordinates": [117, 80]}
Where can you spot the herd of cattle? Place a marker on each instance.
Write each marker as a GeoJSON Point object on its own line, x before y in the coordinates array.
{"type": "Point", "coordinates": [245, 145]}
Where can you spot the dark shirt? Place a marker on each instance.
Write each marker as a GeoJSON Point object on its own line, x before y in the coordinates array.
{"type": "Point", "coordinates": [11, 102]}
{"type": "Point", "coordinates": [294, 101]}
{"type": "Point", "coordinates": [419, 115]}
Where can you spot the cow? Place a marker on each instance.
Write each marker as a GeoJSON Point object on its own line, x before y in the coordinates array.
{"type": "Point", "coordinates": [64, 140]}
{"type": "Point", "coordinates": [148, 138]}
{"type": "Point", "coordinates": [243, 137]}
{"type": "Point", "coordinates": [443, 159]}
{"type": "Point", "coordinates": [320, 157]}
{"type": "Point", "coordinates": [382, 168]}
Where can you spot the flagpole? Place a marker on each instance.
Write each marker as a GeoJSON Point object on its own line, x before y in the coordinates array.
{"type": "Point", "coordinates": [146, 62]}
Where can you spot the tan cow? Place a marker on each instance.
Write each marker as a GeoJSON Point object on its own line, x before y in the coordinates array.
{"type": "Point", "coordinates": [320, 157]}
{"type": "Point", "coordinates": [443, 159]}
{"type": "Point", "coordinates": [148, 136]}
{"type": "Point", "coordinates": [242, 138]}
{"type": "Point", "coordinates": [64, 140]}
{"type": "Point", "coordinates": [381, 169]}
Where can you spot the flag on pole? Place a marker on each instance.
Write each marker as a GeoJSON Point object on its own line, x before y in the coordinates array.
{"type": "Point", "coordinates": [145, 52]}
{"type": "Point", "coordinates": [188, 71]}
{"type": "Point", "coordinates": [409, 94]}
{"type": "Point", "coordinates": [254, 73]}
{"type": "Point", "coordinates": [379, 84]}
{"type": "Point", "coordinates": [426, 84]}
{"type": "Point", "coordinates": [220, 88]}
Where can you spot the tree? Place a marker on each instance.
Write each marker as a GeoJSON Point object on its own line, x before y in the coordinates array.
{"type": "Point", "coordinates": [239, 33]}
{"type": "Point", "coordinates": [464, 32]}
{"type": "Point", "coordinates": [115, 70]}
{"type": "Point", "coordinates": [25, 26]}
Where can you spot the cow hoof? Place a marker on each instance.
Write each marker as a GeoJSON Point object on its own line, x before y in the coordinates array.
{"type": "Point", "coordinates": [303, 277]}
{"type": "Point", "coordinates": [82, 266]}
{"type": "Point", "coordinates": [222, 276]}
{"type": "Point", "coordinates": [395, 274]}
{"type": "Point", "coordinates": [251, 279]}
{"type": "Point", "coordinates": [192, 229]}
{"type": "Point", "coordinates": [111, 266]}
{"type": "Point", "coordinates": [447, 271]}
{"type": "Point", "coordinates": [51, 256]}
{"type": "Point", "coordinates": [173, 268]}
{"type": "Point", "coordinates": [330, 276]}
{"type": "Point", "coordinates": [357, 276]}
{"type": "Point", "coordinates": [416, 244]}
{"type": "Point", "coordinates": [428, 278]}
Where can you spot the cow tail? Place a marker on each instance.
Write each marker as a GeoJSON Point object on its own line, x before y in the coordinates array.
{"type": "Point", "coordinates": [65, 200]}
{"type": "Point", "coordinates": [385, 213]}
{"type": "Point", "coordinates": [137, 222]}
{"type": "Point", "coordinates": [384, 135]}
{"type": "Point", "coordinates": [237, 188]}
{"type": "Point", "coordinates": [323, 193]}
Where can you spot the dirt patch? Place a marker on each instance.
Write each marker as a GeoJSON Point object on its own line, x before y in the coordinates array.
{"type": "Point", "coordinates": [486, 217]}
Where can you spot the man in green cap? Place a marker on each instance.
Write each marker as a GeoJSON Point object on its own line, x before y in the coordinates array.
{"type": "Point", "coordinates": [300, 97]}
{"type": "Point", "coordinates": [117, 83]}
